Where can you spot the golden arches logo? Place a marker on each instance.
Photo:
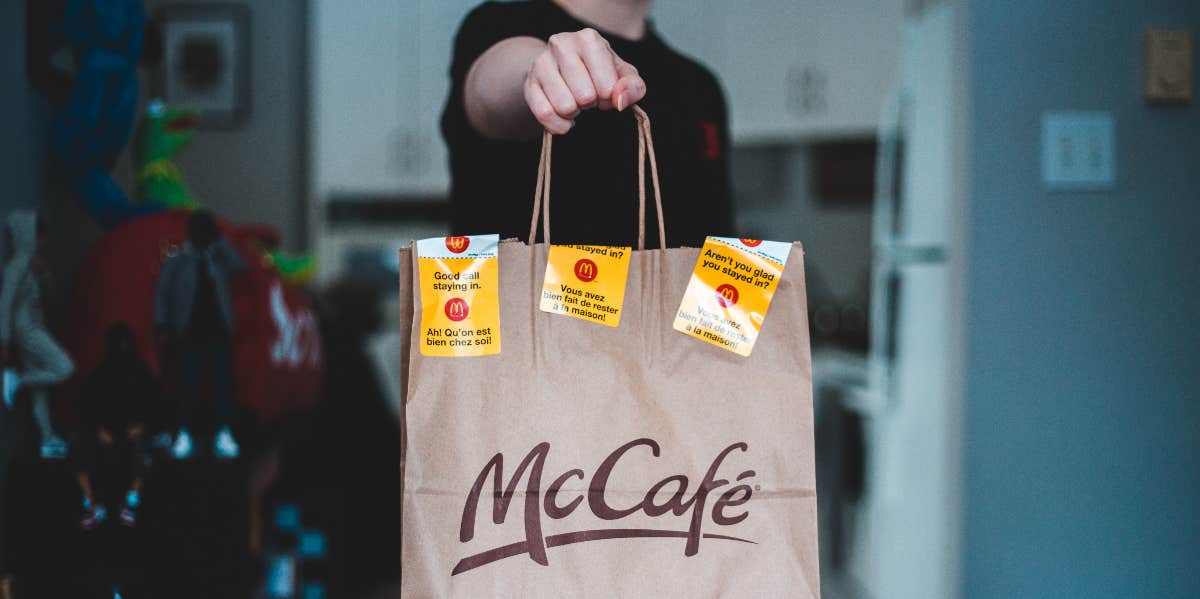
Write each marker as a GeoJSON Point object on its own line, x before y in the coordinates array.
{"type": "Point", "coordinates": [586, 270]}
{"type": "Point", "coordinates": [727, 295]}
{"type": "Point", "coordinates": [457, 309]}
{"type": "Point", "coordinates": [457, 244]}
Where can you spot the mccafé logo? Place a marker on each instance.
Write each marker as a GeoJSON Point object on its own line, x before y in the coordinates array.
{"type": "Point", "coordinates": [667, 498]}
{"type": "Point", "coordinates": [457, 309]}
{"type": "Point", "coordinates": [585, 270]}
{"type": "Point", "coordinates": [750, 243]}
{"type": "Point", "coordinates": [457, 244]}
{"type": "Point", "coordinates": [727, 295]}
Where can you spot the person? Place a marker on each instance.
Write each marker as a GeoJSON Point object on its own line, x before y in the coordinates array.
{"type": "Point", "coordinates": [31, 357]}
{"type": "Point", "coordinates": [115, 403]}
{"type": "Point", "coordinates": [193, 314]}
{"type": "Point", "coordinates": [576, 66]}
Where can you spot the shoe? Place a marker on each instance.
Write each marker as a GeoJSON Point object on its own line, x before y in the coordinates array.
{"type": "Point", "coordinates": [162, 440]}
{"type": "Point", "coordinates": [224, 447]}
{"type": "Point", "coordinates": [93, 516]}
{"type": "Point", "coordinates": [12, 381]}
{"type": "Point", "coordinates": [128, 517]}
{"type": "Point", "coordinates": [129, 511]}
{"type": "Point", "coordinates": [54, 448]}
{"type": "Point", "coordinates": [182, 449]}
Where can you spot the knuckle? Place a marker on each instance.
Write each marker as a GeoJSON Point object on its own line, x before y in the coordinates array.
{"type": "Point", "coordinates": [564, 108]}
{"type": "Point", "coordinates": [558, 41]}
{"type": "Point", "coordinates": [586, 96]}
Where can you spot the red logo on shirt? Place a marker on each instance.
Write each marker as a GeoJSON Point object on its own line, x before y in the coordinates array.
{"type": "Point", "coordinates": [712, 140]}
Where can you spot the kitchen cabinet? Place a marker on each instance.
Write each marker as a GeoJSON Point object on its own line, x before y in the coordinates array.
{"type": "Point", "coordinates": [379, 78]}
{"type": "Point", "coordinates": [793, 70]}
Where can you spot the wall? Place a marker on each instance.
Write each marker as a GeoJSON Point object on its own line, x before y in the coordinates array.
{"type": "Point", "coordinates": [1083, 419]}
{"type": "Point", "coordinates": [255, 173]}
{"type": "Point", "coordinates": [22, 151]}
{"type": "Point", "coordinates": [775, 200]}
{"type": "Point", "coordinates": [22, 154]}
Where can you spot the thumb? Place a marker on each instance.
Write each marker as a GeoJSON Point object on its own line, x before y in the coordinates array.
{"type": "Point", "coordinates": [630, 88]}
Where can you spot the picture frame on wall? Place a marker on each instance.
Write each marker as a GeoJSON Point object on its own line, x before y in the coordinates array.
{"type": "Point", "coordinates": [206, 61]}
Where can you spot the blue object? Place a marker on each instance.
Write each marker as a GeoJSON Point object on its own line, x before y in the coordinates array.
{"type": "Point", "coordinates": [287, 518]}
{"type": "Point", "coordinates": [89, 132]}
{"type": "Point", "coordinates": [312, 544]}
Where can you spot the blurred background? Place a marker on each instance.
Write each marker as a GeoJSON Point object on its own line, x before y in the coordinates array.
{"type": "Point", "coordinates": [1000, 207]}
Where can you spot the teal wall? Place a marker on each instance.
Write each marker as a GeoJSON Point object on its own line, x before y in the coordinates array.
{"type": "Point", "coordinates": [1082, 464]}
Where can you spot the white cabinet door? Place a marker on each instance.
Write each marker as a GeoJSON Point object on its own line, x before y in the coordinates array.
{"type": "Point", "coordinates": [793, 69]}
{"type": "Point", "coordinates": [439, 22]}
{"type": "Point", "coordinates": [769, 44]}
{"type": "Point", "coordinates": [358, 60]}
{"type": "Point", "coordinates": [695, 28]}
{"type": "Point", "coordinates": [379, 81]}
{"type": "Point", "coordinates": [858, 43]}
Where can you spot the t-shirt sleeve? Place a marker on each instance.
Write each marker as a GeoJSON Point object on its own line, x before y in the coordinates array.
{"type": "Point", "coordinates": [484, 27]}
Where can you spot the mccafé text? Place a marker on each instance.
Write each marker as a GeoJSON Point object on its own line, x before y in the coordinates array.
{"type": "Point", "coordinates": [668, 497]}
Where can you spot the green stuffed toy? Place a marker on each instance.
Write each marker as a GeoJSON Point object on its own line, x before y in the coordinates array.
{"type": "Point", "coordinates": [163, 133]}
{"type": "Point", "coordinates": [295, 270]}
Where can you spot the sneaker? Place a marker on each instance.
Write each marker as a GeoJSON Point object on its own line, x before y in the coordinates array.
{"type": "Point", "coordinates": [224, 447]}
{"type": "Point", "coordinates": [93, 516]}
{"type": "Point", "coordinates": [162, 440]}
{"type": "Point", "coordinates": [128, 517]}
{"type": "Point", "coordinates": [129, 510]}
{"type": "Point", "coordinates": [182, 449]}
{"type": "Point", "coordinates": [11, 382]}
{"type": "Point", "coordinates": [54, 448]}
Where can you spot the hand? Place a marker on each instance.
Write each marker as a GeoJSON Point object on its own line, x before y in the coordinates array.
{"type": "Point", "coordinates": [105, 437]}
{"type": "Point", "coordinates": [577, 71]}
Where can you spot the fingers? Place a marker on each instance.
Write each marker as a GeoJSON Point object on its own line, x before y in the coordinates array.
{"type": "Point", "coordinates": [568, 54]}
{"type": "Point", "coordinates": [630, 88]}
{"type": "Point", "coordinates": [543, 110]}
{"type": "Point", "coordinates": [546, 73]}
{"type": "Point", "coordinates": [600, 60]}
{"type": "Point", "coordinates": [578, 71]}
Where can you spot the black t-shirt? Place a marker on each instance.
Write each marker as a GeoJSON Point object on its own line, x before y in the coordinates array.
{"type": "Point", "coordinates": [594, 184]}
{"type": "Point", "coordinates": [118, 394]}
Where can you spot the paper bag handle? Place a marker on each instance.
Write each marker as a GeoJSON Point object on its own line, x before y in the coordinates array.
{"type": "Point", "coordinates": [541, 192]}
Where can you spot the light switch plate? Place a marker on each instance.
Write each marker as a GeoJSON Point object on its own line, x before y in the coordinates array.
{"type": "Point", "coordinates": [1169, 66]}
{"type": "Point", "coordinates": [1079, 150]}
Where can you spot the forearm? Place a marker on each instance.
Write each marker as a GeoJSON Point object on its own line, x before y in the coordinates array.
{"type": "Point", "coordinates": [494, 90]}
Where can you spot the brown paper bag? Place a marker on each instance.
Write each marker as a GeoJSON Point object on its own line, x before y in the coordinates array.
{"type": "Point", "coordinates": [589, 461]}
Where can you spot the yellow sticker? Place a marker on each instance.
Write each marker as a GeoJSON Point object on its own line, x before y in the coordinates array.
{"type": "Point", "coordinates": [586, 281]}
{"type": "Point", "coordinates": [730, 291]}
{"type": "Point", "coordinates": [460, 300]}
